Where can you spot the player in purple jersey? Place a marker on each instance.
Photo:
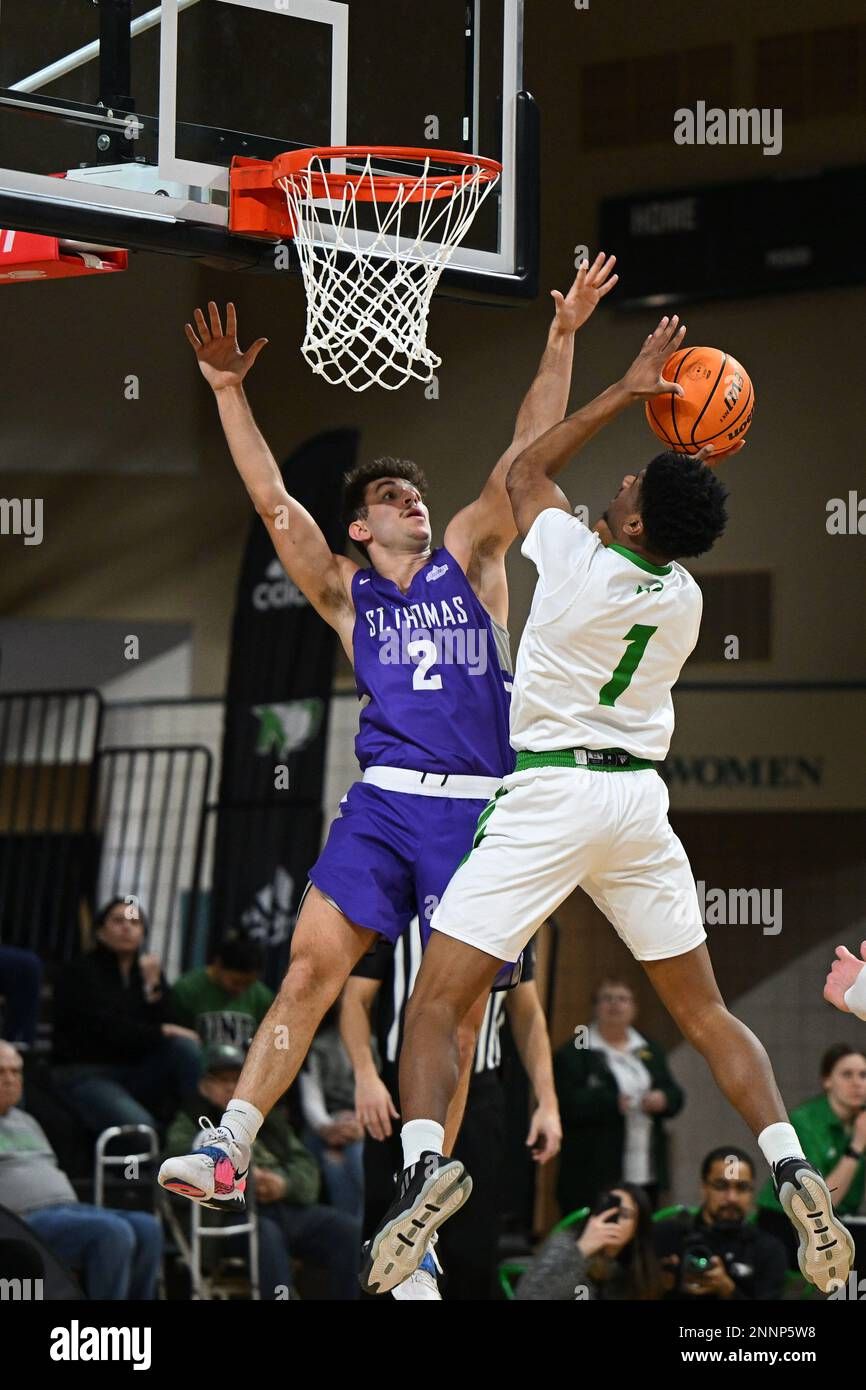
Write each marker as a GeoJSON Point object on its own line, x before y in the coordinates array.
{"type": "Point", "coordinates": [425, 631]}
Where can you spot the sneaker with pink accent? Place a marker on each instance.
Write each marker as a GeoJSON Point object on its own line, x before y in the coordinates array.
{"type": "Point", "coordinates": [215, 1175]}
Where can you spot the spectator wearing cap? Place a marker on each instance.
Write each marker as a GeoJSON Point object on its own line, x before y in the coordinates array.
{"type": "Point", "coordinates": [117, 1253]}
{"type": "Point", "coordinates": [224, 1002]}
{"type": "Point", "coordinates": [292, 1224]}
{"type": "Point", "coordinates": [120, 1057]}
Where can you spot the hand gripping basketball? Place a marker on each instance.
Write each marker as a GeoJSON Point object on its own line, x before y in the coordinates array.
{"type": "Point", "coordinates": [645, 377]}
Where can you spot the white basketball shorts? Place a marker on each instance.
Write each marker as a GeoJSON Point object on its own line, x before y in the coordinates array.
{"type": "Point", "coordinates": [550, 830]}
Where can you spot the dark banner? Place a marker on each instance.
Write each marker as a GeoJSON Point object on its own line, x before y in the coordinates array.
{"type": "Point", "coordinates": [269, 818]}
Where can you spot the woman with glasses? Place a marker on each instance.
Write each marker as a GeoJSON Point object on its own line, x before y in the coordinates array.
{"type": "Point", "coordinates": [615, 1092]}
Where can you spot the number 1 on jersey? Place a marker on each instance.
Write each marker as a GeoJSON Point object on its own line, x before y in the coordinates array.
{"type": "Point", "coordinates": [637, 638]}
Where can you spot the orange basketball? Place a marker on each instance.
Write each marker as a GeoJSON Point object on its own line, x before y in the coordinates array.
{"type": "Point", "coordinates": [717, 406]}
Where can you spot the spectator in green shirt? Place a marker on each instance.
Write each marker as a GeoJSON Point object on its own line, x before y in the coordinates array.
{"type": "Point", "coordinates": [832, 1130]}
{"type": "Point", "coordinates": [224, 1002]}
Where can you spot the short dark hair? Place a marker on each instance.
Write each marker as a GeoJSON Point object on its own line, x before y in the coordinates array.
{"type": "Point", "coordinates": [834, 1054]}
{"type": "Point", "coordinates": [240, 953]}
{"type": "Point", "coordinates": [134, 907]}
{"type": "Point", "coordinates": [610, 980]}
{"type": "Point", "coordinates": [723, 1153]}
{"type": "Point", "coordinates": [682, 505]}
{"type": "Point", "coordinates": [355, 485]}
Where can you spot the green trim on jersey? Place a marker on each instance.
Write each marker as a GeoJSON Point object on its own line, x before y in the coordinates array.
{"type": "Point", "coordinates": [639, 560]}
{"type": "Point", "coordinates": [481, 824]}
{"type": "Point", "coordinates": [564, 757]}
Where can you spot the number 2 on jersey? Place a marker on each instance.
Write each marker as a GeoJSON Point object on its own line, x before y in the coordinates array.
{"type": "Point", "coordinates": [427, 652]}
{"type": "Point", "coordinates": [637, 638]}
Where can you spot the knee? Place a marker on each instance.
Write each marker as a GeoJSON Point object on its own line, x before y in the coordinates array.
{"type": "Point", "coordinates": [308, 977]}
{"type": "Point", "coordinates": [697, 1021]}
{"type": "Point", "coordinates": [111, 1230]}
{"type": "Point", "coordinates": [436, 1006]}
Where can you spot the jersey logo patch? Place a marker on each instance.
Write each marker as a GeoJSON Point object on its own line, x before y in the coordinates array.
{"type": "Point", "coordinates": [363, 581]}
{"type": "Point", "coordinates": [437, 573]}
{"type": "Point", "coordinates": [650, 588]}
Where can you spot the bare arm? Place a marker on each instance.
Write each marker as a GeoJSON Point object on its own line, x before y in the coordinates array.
{"type": "Point", "coordinates": [373, 1104]}
{"type": "Point", "coordinates": [480, 534]}
{"type": "Point", "coordinates": [532, 1040]}
{"type": "Point", "coordinates": [530, 479]}
{"type": "Point", "coordinates": [323, 577]}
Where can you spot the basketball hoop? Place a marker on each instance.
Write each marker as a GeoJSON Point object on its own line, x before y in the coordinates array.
{"type": "Point", "coordinates": [368, 287]}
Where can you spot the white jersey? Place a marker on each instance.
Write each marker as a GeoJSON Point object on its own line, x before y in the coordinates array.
{"type": "Point", "coordinates": [606, 639]}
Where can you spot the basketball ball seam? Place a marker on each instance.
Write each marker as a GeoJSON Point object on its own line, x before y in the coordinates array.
{"type": "Point", "coordinates": [749, 405]}
{"type": "Point", "coordinates": [674, 399]}
{"type": "Point", "coordinates": [663, 434]}
{"type": "Point", "coordinates": [705, 406]}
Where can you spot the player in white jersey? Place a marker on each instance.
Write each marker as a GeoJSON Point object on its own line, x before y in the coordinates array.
{"type": "Point", "coordinates": [613, 619]}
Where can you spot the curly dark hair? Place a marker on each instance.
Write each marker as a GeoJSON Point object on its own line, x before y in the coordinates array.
{"type": "Point", "coordinates": [682, 505]}
{"type": "Point", "coordinates": [356, 482]}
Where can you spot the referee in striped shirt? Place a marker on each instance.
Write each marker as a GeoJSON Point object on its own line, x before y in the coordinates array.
{"type": "Point", "coordinates": [374, 1004]}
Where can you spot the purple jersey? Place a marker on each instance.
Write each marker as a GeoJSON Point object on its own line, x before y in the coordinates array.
{"type": "Point", "coordinates": [434, 670]}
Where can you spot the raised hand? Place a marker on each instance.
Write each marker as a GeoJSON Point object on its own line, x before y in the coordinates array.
{"type": "Point", "coordinates": [843, 972]}
{"type": "Point", "coordinates": [644, 377]}
{"type": "Point", "coordinates": [591, 284]}
{"type": "Point", "coordinates": [221, 361]}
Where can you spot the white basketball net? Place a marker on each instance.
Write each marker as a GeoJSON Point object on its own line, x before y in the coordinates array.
{"type": "Point", "coordinates": [369, 290]}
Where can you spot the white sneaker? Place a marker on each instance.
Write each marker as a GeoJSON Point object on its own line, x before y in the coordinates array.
{"type": "Point", "coordinates": [215, 1175]}
{"type": "Point", "coordinates": [422, 1284]}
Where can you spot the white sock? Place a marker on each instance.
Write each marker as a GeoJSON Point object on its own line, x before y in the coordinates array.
{"type": "Point", "coordinates": [244, 1120]}
{"type": "Point", "coordinates": [779, 1141]}
{"type": "Point", "coordinates": [418, 1137]}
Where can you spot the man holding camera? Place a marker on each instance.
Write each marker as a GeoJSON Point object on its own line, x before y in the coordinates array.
{"type": "Point", "coordinates": [717, 1253]}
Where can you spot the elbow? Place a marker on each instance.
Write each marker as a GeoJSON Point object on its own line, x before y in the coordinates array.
{"type": "Point", "coordinates": [269, 502]}
{"type": "Point", "coordinates": [514, 475]}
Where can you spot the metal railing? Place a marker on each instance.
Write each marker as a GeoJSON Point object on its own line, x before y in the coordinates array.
{"type": "Point", "coordinates": [48, 742]}
{"type": "Point", "coordinates": [149, 808]}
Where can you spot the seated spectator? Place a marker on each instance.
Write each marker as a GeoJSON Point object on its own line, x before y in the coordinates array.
{"type": "Point", "coordinates": [287, 1181]}
{"type": "Point", "coordinates": [832, 1129]}
{"type": "Point", "coordinates": [224, 1002]}
{"type": "Point", "coordinates": [332, 1131]}
{"type": "Point", "coordinates": [611, 1257]}
{"type": "Point", "coordinates": [717, 1253]}
{"type": "Point", "coordinates": [117, 1253]}
{"type": "Point", "coordinates": [20, 988]}
{"type": "Point", "coordinates": [615, 1092]}
{"type": "Point", "coordinates": [120, 1058]}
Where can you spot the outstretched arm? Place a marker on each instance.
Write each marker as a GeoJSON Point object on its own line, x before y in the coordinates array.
{"type": "Point", "coordinates": [323, 577]}
{"type": "Point", "coordinates": [479, 535]}
{"type": "Point", "coordinates": [530, 479]}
